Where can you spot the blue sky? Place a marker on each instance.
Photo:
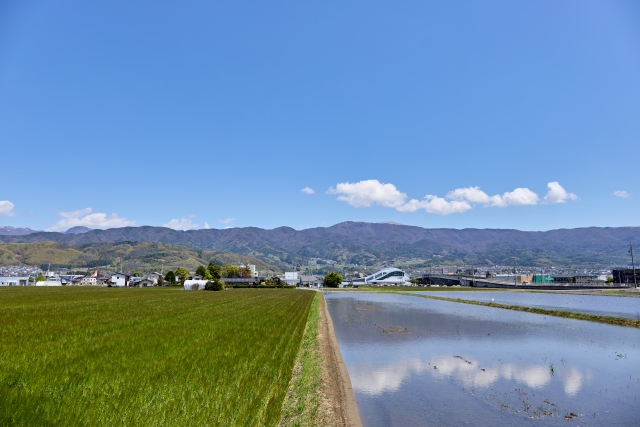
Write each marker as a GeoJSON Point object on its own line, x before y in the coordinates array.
{"type": "Point", "coordinates": [492, 114]}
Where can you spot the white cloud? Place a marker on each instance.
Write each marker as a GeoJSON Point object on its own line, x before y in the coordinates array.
{"type": "Point", "coordinates": [557, 194]}
{"type": "Point", "coordinates": [226, 221]}
{"type": "Point", "coordinates": [85, 218]}
{"type": "Point", "coordinates": [619, 193]}
{"type": "Point", "coordinates": [470, 194]}
{"type": "Point", "coordinates": [206, 225]}
{"type": "Point", "coordinates": [369, 192]}
{"type": "Point", "coordinates": [517, 197]}
{"type": "Point", "coordinates": [308, 190]}
{"type": "Point", "coordinates": [435, 205]}
{"type": "Point", "coordinates": [184, 223]}
{"type": "Point", "coordinates": [372, 192]}
{"type": "Point", "coordinates": [6, 208]}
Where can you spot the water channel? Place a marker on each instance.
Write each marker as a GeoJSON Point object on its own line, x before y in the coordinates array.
{"type": "Point", "coordinates": [617, 306]}
{"type": "Point", "coordinates": [416, 361]}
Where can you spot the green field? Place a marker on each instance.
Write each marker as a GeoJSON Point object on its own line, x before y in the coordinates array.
{"type": "Point", "coordinates": [154, 356]}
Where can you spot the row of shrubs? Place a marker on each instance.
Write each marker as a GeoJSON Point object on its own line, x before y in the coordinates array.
{"type": "Point", "coordinates": [219, 285]}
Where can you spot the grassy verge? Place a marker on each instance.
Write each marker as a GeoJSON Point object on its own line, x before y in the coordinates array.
{"type": "Point", "coordinates": [620, 321]}
{"type": "Point", "coordinates": [302, 406]}
{"type": "Point", "coordinates": [150, 356]}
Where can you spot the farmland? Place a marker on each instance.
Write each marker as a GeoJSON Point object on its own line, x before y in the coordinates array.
{"type": "Point", "coordinates": [154, 356]}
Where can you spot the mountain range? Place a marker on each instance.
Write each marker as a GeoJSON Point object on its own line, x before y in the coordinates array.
{"type": "Point", "coordinates": [15, 231]}
{"type": "Point", "coordinates": [379, 243]}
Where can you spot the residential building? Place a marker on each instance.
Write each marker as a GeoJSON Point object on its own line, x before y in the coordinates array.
{"type": "Point", "coordinates": [312, 281]}
{"type": "Point", "coordinates": [89, 281]}
{"type": "Point", "coordinates": [120, 280]}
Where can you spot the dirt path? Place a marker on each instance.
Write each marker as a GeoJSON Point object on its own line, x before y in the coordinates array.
{"type": "Point", "coordinates": [336, 384]}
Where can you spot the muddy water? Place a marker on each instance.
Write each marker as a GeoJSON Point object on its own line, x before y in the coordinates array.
{"type": "Point", "coordinates": [415, 361]}
{"type": "Point", "coordinates": [590, 304]}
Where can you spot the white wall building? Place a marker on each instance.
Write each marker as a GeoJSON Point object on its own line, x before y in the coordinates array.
{"type": "Point", "coordinates": [385, 277]}
{"type": "Point", "coordinates": [14, 281]}
{"type": "Point", "coordinates": [89, 281]}
{"type": "Point", "coordinates": [291, 278]}
{"type": "Point", "coordinates": [119, 280]}
{"type": "Point", "coordinates": [50, 280]}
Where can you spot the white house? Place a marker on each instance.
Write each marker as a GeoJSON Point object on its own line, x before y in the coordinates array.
{"type": "Point", "coordinates": [119, 280]}
{"type": "Point", "coordinates": [154, 277]}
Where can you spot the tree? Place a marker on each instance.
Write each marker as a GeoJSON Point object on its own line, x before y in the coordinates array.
{"type": "Point", "coordinates": [230, 271]}
{"type": "Point", "coordinates": [170, 277]}
{"type": "Point", "coordinates": [182, 274]}
{"type": "Point", "coordinates": [40, 278]}
{"type": "Point", "coordinates": [214, 285]}
{"type": "Point", "coordinates": [215, 271]}
{"type": "Point", "coordinates": [245, 273]}
{"type": "Point", "coordinates": [332, 280]}
{"type": "Point", "coordinates": [201, 270]}
{"type": "Point", "coordinates": [207, 275]}
{"type": "Point", "coordinates": [160, 281]}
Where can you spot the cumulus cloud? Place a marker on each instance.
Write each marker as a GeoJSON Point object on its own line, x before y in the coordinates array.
{"type": "Point", "coordinates": [517, 197]}
{"type": "Point", "coordinates": [469, 194]}
{"type": "Point", "coordinates": [619, 193]}
{"type": "Point", "coordinates": [435, 205]}
{"type": "Point", "coordinates": [308, 190]}
{"type": "Point", "coordinates": [557, 194]}
{"type": "Point", "coordinates": [85, 218]}
{"type": "Point", "coordinates": [369, 192]}
{"type": "Point", "coordinates": [184, 223]}
{"type": "Point", "coordinates": [206, 225]}
{"type": "Point", "coordinates": [372, 192]}
{"type": "Point", "coordinates": [6, 208]}
{"type": "Point", "coordinates": [226, 220]}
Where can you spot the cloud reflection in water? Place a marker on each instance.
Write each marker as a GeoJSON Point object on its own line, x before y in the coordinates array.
{"type": "Point", "coordinates": [375, 380]}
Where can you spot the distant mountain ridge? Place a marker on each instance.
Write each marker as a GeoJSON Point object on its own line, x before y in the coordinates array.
{"type": "Point", "coordinates": [369, 243]}
{"type": "Point", "coordinates": [77, 230]}
{"type": "Point", "coordinates": [15, 231]}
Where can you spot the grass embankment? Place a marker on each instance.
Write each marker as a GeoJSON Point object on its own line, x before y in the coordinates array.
{"type": "Point", "coordinates": [302, 406]}
{"type": "Point", "coordinates": [620, 321]}
{"type": "Point", "coordinates": [154, 356]}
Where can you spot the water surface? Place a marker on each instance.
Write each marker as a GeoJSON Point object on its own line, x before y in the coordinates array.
{"type": "Point", "coordinates": [590, 304]}
{"type": "Point", "coordinates": [415, 361]}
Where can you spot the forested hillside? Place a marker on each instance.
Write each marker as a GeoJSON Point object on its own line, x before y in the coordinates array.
{"type": "Point", "coordinates": [368, 243]}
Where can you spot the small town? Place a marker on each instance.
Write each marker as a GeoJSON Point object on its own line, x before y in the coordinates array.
{"type": "Point", "coordinates": [248, 275]}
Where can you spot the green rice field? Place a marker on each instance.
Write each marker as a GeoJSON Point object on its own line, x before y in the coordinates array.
{"type": "Point", "coordinates": [153, 357]}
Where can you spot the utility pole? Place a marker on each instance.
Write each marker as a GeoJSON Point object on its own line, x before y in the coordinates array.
{"type": "Point", "coordinates": [633, 265]}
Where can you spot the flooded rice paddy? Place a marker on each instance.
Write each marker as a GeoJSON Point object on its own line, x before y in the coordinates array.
{"type": "Point", "coordinates": [415, 361]}
{"type": "Point", "coordinates": [617, 306]}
